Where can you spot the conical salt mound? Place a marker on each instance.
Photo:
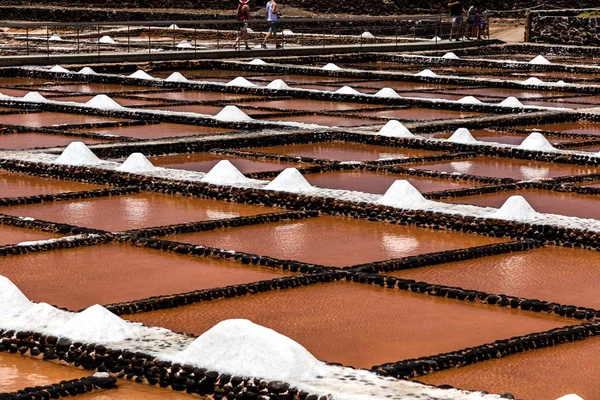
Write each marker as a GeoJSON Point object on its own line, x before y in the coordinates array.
{"type": "Point", "coordinates": [12, 300]}
{"type": "Point", "coordinates": [103, 102]}
{"type": "Point", "coordinates": [403, 195]}
{"type": "Point", "coordinates": [470, 100]}
{"type": "Point", "coordinates": [136, 162]}
{"type": "Point", "coordinates": [173, 26]}
{"type": "Point", "coordinates": [87, 71]}
{"type": "Point", "coordinates": [139, 74]}
{"type": "Point", "coordinates": [571, 396]}
{"type": "Point", "coordinates": [427, 73]}
{"type": "Point", "coordinates": [55, 38]}
{"type": "Point", "coordinates": [287, 32]}
{"type": "Point", "coordinates": [516, 208]}
{"type": "Point", "coordinates": [561, 83]}
{"type": "Point", "coordinates": [278, 84]}
{"type": "Point", "coordinates": [540, 60]}
{"type": "Point", "coordinates": [289, 180]}
{"type": "Point", "coordinates": [347, 90]}
{"type": "Point", "coordinates": [106, 40]}
{"type": "Point", "coordinates": [58, 68]}
{"type": "Point", "coordinates": [450, 56]}
{"type": "Point", "coordinates": [462, 135]}
{"type": "Point", "coordinates": [240, 81]}
{"type": "Point", "coordinates": [536, 141]}
{"type": "Point", "coordinates": [77, 153]}
{"type": "Point", "coordinates": [97, 325]}
{"type": "Point", "coordinates": [184, 44]}
{"type": "Point", "coordinates": [387, 92]}
{"type": "Point", "coordinates": [330, 67]}
{"type": "Point", "coordinates": [533, 81]}
{"type": "Point", "coordinates": [395, 128]}
{"type": "Point", "coordinates": [176, 77]}
{"type": "Point", "coordinates": [511, 102]}
{"type": "Point", "coordinates": [257, 61]}
{"type": "Point", "coordinates": [436, 39]}
{"type": "Point", "coordinates": [232, 114]}
{"type": "Point", "coordinates": [367, 35]}
{"type": "Point", "coordinates": [34, 97]}
{"type": "Point", "coordinates": [224, 173]}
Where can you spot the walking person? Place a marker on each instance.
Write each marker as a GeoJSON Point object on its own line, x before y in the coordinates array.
{"type": "Point", "coordinates": [456, 13]}
{"type": "Point", "coordinates": [272, 15]}
{"type": "Point", "coordinates": [243, 17]}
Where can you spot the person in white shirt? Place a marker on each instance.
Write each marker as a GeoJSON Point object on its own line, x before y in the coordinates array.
{"type": "Point", "coordinates": [272, 15]}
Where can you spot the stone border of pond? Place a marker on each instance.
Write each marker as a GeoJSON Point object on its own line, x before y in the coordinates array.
{"type": "Point", "coordinates": [66, 388]}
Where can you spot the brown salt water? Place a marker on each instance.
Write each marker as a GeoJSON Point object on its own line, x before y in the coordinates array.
{"type": "Point", "coordinates": [21, 81]}
{"type": "Point", "coordinates": [500, 92]}
{"type": "Point", "coordinates": [50, 119]}
{"type": "Point", "coordinates": [194, 108]}
{"type": "Point", "coordinates": [570, 204]}
{"type": "Point", "coordinates": [420, 114]}
{"type": "Point", "coordinates": [361, 325]}
{"type": "Point", "coordinates": [93, 88]}
{"type": "Point", "coordinates": [204, 162]}
{"type": "Point", "coordinates": [542, 374]}
{"type": "Point", "coordinates": [134, 211]}
{"type": "Point", "coordinates": [487, 135]}
{"type": "Point", "coordinates": [309, 105]}
{"type": "Point", "coordinates": [157, 131]}
{"type": "Point", "coordinates": [334, 241]}
{"type": "Point", "coordinates": [341, 151]}
{"type": "Point", "coordinates": [18, 372]}
{"type": "Point", "coordinates": [193, 96]}
{"type": "Point", "coordinates": [32, 140]}
{"type": "Point", "coordinates": [14, 235]}
{"type": "Point", "coordinates": [139, 391]}
{"type": "Point", "coordinates": [582, 127]}
{"type": "Point", "coordinates": [13, 184]}
{"type": "Point", "coordinates": [121, 101]}
{"type": "Point", "coordinates": [327, 120]}
{"type": "Point", "coordinates": [379, 182]}
{"type": "Point", "coordinates": [110, 273]}
{"type": "Point", "coordinates": [507, 168]}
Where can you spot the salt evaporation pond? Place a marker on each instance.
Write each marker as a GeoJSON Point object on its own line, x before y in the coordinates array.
{"type": "Point", "coordinates": [19, 141]}
{"type": "Point", "coordinates": [204, 162]}
{"type": "Point", "coordinates": [17, 185]}
{"type": "Point", "coordinates": [582, 127]}
{"type": "Point", "coordinates": [14, 235]}
{"type": "Point", "coordinates": [157, 131]}
{"type": "Point", "coordinates": [47, 119]}
{"type": "Point", "coordinates": [421, 114]}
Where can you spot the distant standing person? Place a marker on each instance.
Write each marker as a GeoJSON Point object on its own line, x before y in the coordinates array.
{"type": "Point", "coordinates": [272, 15]}
{"type": "Point", "coordinates": [456, 13]}
{"type": "Point", "coordinates": [243, 17]}
{"type": "Point", "coordinates": [470, 31]}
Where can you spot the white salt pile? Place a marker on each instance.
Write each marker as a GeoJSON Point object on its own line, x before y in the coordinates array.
{"type": "Point", "coordinates": [136, 162]}
{"type": "Point", "coordinates": [184, 44]}
{"type": "Point", "coordinates": [97, 325]}
{"type": "Point", "coordinates": [250, 30]}
{"type": "Point", "coordinates": [511, 102]}
{"type": "Point", "coordinates": [536, 141]}
{"type": "Point", "coordinates": [87, 71]}
{"type": "Point", "coordinates": [232, 114]}
{"type": "Point", "coordinates": [287, 32]}
{"type": "Point", "coordinates": [347, 90]}
{"type": "Point", "coordinates": [240, 81]}
{"type": "Point", "coordinates": [367, 35]}
{"type": "Point", "coordinates": [450, 56]}
{"type": "Point", "coordinates": [242, 348]}
{"type": "Point", "coordinates": [103, 102]}
{"type": "Point", "coordinates": [330, 67]}
{"type": "Point", "coordinates": [290, 180]}
{"type": "Point", "coordinates": [387, 92]}
{"type": "Point", "coordinates": [515, 208]}
{"type": "Point", "coordinates": [176, 77]}
{"type": "Point", "coordinates": [77, 153]}
{"type": "Point", "coordinates": [224, 173]}
{"type": "Point", "coordinates": [540, 60]}
{"type": "Point", "coordinates": [55, 38]}
{"type": "Point", "coordinates": [470, 100]}
{"type": "Point", "coordinates": [403, 195]}
{"type": "Point", "coordinates": [58, 68]}
{"type": "Point", "coordinates": [462, 135]}
{"type": "Point", "coordinates": [12, 300]}
{"type": "Point", "coordinates": [34, 97]}
{"type": "Point", "coordinates": [40, 317]}
{"type": "Point", "coordinates": [278, 84]}
{"type": "Point", "coordinates": [570, 397]}
{"type": "Point", "coordinates": [561, 83]}
{"type": "Point", "coordinates": [139, 74]}
{"type": "Point", "coordinates": [436, 39]}
{"type": "Point", "coordinates": [427, 73]}
{"type": "Point", "coordinates": [533, 81]}
{"type": "Point", "coordinates": [173, 26]}
{"type": "Point", "coordinates": [395, 128]}
{"type": "Point", "coordinates": [257, 61]}
{"type": "Point", "coordinates": [106, 40]}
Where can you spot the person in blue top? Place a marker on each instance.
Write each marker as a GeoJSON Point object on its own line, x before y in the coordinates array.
{"type": "Point", "coordinates": [272, 15]}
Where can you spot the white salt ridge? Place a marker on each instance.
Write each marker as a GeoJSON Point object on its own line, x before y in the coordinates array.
{"type": "Point", "coordinates": [58, 68]}
{"type": "Point", "coordinates": [330, 67]}
{"type": "Point", "coordinates": [540, 60]}
{"type": "Point", "coordinates": [516, 208]}
{"type": "Point", "coordinates": [278, 84]}
{"type": "Point", "coordinates": [177, 77]}
{"type": "Point", "coordinates": [37, 242]}
{"type": "Point", "coordinates": [242, 348]}
{"type": "Point", "coordinates": [232, 114]}
{"type": "Point", "coordinates": [511, 102]}
{"type": "Point", "coordinates": [103, 102]}
{"type": "Point", "coordinates": [55, 38]}
{"type": "Point", "coordinates": [34, 97]}
{"type": "Point", "coordinates": [173, 26]}
{"type": "Point", "coordinates": [403, 195]}
{"type": "Point", "coordinates": [462, 135]}
{"type": "Point", "coordinates": [533, 81]}
{"type": "Point", "coordinates": [184, 44]}
{"type": "Point", "coordinates": [257, 61]}
{"type": "Point", "coordinates": [367, 35]}
{"type": "Point", "coordinates": [290, 180]}
{"type": "Point", "coordinates": [561, 83]}
{"type": "Point", "coordinates": [450, 56]}
{"type": "Point", "coordinates": [139, 74]}
{"type": "Point", "coordinates": [427, 73]}
{"type": "Point", "coordinates": [40, 317]}
{"type": "Point", "coordinates": [287, 32]}
{"type": "Point", "coordinates": [136, 162]}
{"type": "Point", "coordinates": [240, 81]}
{"type": "Point", "coordinates": [224, 173]}
{"type": "Point", "coordinates": [106, 40]}
{"type": "Point", "coordinates": [387, 92]}
{"type": "Point", "coordinates": [77, 153]}
{"type": "Point", "coordinates": [250, 30]}
{"type": "Point", "coordinates": [347, 90]}
{"type": "Point", "coordinates": [97, 325]}
{"type": "Point", "coordinates": [470, 100]}
{"type": "Point", "coordinates": [12, 300]}
{"type": "Point", "coordinates": [395, 128]}
{"type": "Point", "coordinates": [536, 141]}
{"type": "Point", "coordinates": [87, 71]}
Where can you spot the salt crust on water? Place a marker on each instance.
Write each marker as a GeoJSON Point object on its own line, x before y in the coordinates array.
{"type": "Point", "coordinates": [106, 40]}
{"type": "Point", "coordinates": [427, 73]}
{"type": "Point", "coordinates": [367, 35]}
{"type": "Point", "coordinates": [242, 348]}
{"type": "Point", "coordinates": [290, 180]}
{"type": "Point", "coordinates": [536, 141]}
{"type": "Point", "coordinates": [176, 77]}
{"type": "Point", "coordinates": [232, 114]}
{"type": "Point", "coordinates": [58, 68]}
{"type": "Point", "coordinates": [347, 90]}
{"type": "Point", "coordinates": [224, 173]}
{"type": "Point", "coordinates": [450, 56]}
{"type": "Point", "coordinates": [103, 102]}
{"type": "Point", "coordinates": [87, 71]}
{"type": "Point", "coordinates": [136, 162]}
{"type": "Point", "coordinates": [394, 128]}
{"type": "Point", "coordinates": [404, 195]}
{"type": "Point", "coordinates": [387, 92]}
{"type": "Point", "coordinates": [540, 60]}
{"type": "Point", "coordinates": [257, 61]}
{"type": "Point", "coordinates": [511, 102]}
{"type": "Point", "coordinates": [470, 100]}
{"type": "Point", "coordinates": [139, 74]}
{"type": "Point", "coordinates": [34, 97]}
{"type": "Point", "coordinates": [462, 135]}
{"type": "Point", "coordinates": [515, 208]}
{"type": "Point", "coordinates": [278, 84]}
{"type": "Point", "coordinates": [330, 67]}
{"type": "Point", "coordinates": [240, 81]}
{"type": "Point", "coordinates": [77, 153]}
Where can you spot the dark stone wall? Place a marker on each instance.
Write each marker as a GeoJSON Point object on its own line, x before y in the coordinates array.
{"type": "Point", "coordinates": [564, 27]}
